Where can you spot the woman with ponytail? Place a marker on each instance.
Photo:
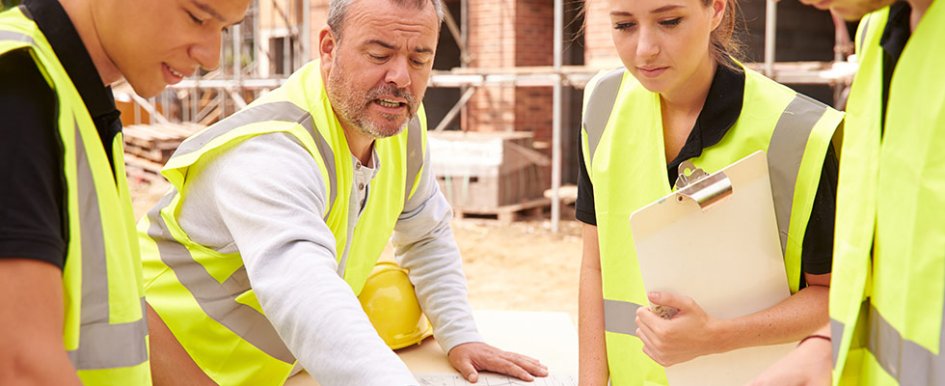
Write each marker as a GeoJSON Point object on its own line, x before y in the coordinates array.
{"type": "Point", "coordinates": [682, 96]}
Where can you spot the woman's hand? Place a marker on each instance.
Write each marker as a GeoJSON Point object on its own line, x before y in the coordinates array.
{"type": "Point", "coordinates": [688, 334]}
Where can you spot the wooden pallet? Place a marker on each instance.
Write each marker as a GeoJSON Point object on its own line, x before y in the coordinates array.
{"type": "Point", "coordinates": [508, 213]}
{"type": "Point", "coordinates": [148, 147]}
{"type": "Point", "coordinates": [141, 170]}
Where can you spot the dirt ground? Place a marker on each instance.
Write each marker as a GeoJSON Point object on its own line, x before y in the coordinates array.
{"type": "Point", "coordinates": [519, 266]}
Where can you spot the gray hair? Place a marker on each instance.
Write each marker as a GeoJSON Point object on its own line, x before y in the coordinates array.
{"type": "Point", "coordinates": [338, 9]}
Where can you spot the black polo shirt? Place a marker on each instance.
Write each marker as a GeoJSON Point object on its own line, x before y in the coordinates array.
{"type": "Point", "coordinates": [895, 36]}
{"type": "Point", "coordinates": [722, 107]}
{"type": "Point", "coordinates": [33, 218]}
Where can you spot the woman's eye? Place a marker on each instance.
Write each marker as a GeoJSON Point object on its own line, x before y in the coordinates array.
{"type": "Point", "coordinates": [625, 25]}
{"type": "Point", "coordinates": [671, 22]}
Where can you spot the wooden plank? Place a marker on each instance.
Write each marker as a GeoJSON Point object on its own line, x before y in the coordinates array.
{"type": "Point", "coordinates": [507, 213]}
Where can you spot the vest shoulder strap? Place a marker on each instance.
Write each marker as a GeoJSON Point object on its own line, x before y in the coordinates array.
{"type": "Point", "coordinates": [415, 156]}
{"type": "Point", "coordinates": [289, 112]}
{"type": "Point", "coordinates": [600, 105]}
{"type": "Point", "coordinates": [284, 111]}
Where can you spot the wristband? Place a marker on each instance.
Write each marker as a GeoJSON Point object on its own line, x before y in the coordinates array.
{"type": "Point", "coordinates": [814, 336]}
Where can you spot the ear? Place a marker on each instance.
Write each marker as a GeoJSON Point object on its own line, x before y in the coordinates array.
{"type": "Point", "coordinates": [718, 12]}
{"type": "Point", "coordinates": [326, 47]}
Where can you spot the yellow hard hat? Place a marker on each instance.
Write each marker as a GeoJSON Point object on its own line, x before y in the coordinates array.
{"type": "Point", "coordinates": [390, 302]}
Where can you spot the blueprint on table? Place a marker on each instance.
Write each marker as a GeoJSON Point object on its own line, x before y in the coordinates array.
{"type": "Point", "coordinates": [494, 380]}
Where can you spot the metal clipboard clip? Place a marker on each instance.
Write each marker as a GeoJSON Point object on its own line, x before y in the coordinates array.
{"type": "Point", "coordinates": [702, 188]}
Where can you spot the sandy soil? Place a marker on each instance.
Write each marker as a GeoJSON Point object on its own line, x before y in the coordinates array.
{"type": "Point", "coordinates": [520, 266]}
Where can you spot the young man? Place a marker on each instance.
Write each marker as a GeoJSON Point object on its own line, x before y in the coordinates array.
{"type": "Point", "coordinates": [886, 301]}
{"type": "Point", "coordinates": [279, 213]}
{"type": "Point", "coordinates": [69, 266]}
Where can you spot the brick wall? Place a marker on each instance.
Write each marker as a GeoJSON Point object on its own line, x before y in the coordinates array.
{"type": "Point", "coordinates": [534, 33]}
{"type": "Point", "coordinates": [318, 17]}
{"type": "Point", "coordinates": [502, 34]}
{"type": "Point", "coordinates": [598, 43]}
{"type": "Point", "coordinates": [804, 33]}
{"type": "Point", "coordinates": [533, 113]}
{"type": "Point", "coordinates": [505, 34]}
{"type": "Point", "coordinates": [534, 38]}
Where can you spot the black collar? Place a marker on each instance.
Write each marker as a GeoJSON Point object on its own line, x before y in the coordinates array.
{"type": "Point", "coordinates": [895, 36]}
{"type": "Point", "coordinates": [897, 31]}
{"type": "Point", "coordinates": [65, 41]}
{"type": "Point", "coordinates": [722, 107]}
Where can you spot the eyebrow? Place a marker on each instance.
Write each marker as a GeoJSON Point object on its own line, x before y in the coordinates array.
{"type": "Point", "coordinates": [378, 42]}
{"type": "Point", "coordinates": [665, 8]}
{"type": "Point", "coordinates": [216, 15]}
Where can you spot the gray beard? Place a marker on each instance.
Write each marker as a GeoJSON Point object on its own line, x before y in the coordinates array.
{"type": "Point", "coordinates": [353, 110]}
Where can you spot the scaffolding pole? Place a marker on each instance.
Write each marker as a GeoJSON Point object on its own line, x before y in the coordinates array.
{"type": "Point", "coordinates": [214, 90]}
{"type": "Point", "coordinates": [464, 57]}
{"type": "Point", "coordinates": [556, 120]}
{"type": "Point", "coordinates": [448, 118]}
{"type": "Point", "coordinates": [237, 32]}
{"type": "Point", "coordinates": [306, 33]}
{"type": "Point", "coordinates": [148, 105]}
{"type": "Point", "coordinates": [455, 32]}
{"type": "Point", "coordinates": [771, 29]}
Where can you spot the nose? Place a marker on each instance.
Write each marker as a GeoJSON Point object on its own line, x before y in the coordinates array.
{"type": "Point", "coordinates": [206, 51]}
{"type": "Point", "coordinates": [398, 72]}
{"type": "Point", "coordinates": [648, 43]}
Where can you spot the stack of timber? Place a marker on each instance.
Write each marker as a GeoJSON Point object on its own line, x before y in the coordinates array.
{"type": "Point", "coordinates": [148, 147]}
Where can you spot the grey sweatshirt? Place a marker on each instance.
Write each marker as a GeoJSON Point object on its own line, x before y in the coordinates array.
{"type": "Point", "coordinates": [264, 198]}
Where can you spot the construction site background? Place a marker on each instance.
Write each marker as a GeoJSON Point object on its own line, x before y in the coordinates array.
{"type": "Point", "coordinates": [491, 111]}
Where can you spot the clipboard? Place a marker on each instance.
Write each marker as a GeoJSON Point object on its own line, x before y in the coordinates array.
{"type": "Point", "coordinates": [716, 240]}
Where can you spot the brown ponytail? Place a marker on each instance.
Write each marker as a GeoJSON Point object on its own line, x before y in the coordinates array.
{"type": "Point", "coordinates": [724, 42]}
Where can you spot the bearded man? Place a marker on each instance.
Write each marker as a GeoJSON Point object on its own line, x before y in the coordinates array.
{"type": "Point", "coordinates": [277, 215]}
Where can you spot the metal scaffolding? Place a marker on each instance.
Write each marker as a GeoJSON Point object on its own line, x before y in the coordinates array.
{"type": "Point", "coordinates": [274, 41]}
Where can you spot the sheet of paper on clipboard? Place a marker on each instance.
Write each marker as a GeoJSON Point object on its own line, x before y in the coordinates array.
{"type": "Point", "coordinates": [716, 240]}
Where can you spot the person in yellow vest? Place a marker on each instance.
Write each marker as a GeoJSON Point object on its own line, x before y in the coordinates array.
{"type": "Point", "coordinates": [277, 215]}
{"type": "Point", "coordinates": [682, 97]}
{"type": "Point", "coordinates": [886, 305]}
{"type": "Point", "coordinates": [72, 310]}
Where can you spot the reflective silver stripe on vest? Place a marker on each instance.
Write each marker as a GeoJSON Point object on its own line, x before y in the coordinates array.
{"type": "Point", "coordinates": [16, 37]}
{"type": "Point", "coordinates": [785, 152]}
{"type": "Point", "coordinates": [837, 328]}
{"type": "Point", "coordinates": [866, 27]}
{"type": "Point", "coordinates": [102, 345]}
{"type": "Point", "coordinates": [414, 155]}
{"type": "Point", "coordinates": [217, 300]}
{"type": "Point", "coordinates": [786, 149]}
{"type": "Point", "coordinates": [599, 107]}
{"type": "Point", "coordinates": [903, 359]}
{"type": "Point", "coordinates": [836, 336]}
{"type": "Point", "coordinates": [620, 316]}
{"type": "Point", "coordinates": [276, 111]}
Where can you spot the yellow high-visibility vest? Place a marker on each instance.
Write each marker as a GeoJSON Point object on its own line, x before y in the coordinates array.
{"type": "Point", "coordinates": [204, 296]}
{"type": "Point", "coordinates": [623, 150]}
{"type": "Point", "coordinates": [891, 200]}
{"type": "Point", "coordinates": [105, 333]}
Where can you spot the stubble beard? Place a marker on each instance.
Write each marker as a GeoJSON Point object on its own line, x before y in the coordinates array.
{"type": "Point", "coordinates": [353, 108]}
